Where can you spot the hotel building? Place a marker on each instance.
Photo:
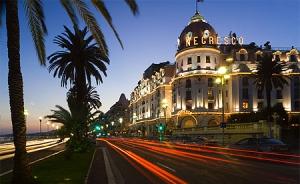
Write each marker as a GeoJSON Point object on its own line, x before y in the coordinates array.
{"type": "Point", "coordinates": [184, 94]}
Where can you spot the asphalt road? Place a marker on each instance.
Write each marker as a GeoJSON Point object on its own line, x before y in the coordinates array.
{"type": "Point", "coordinates": [7, 164]}
{"type": "Point", "coordinates": [141, 161]}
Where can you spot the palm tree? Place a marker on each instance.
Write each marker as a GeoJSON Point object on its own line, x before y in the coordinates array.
{"type": "Point", "coordinates": [91, 97]}
{"type": "Point", "coordinates": [269, 76]}
{"type": "Point", "coordinates": [79, 116]}
{"type": "Point", "coordinates": [35, 17]}
{"type": "Point", "coordinates": [80, 59]}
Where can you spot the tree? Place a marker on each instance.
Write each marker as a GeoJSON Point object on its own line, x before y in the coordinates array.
{"type": "Point", "coordinates": [269, 76]}
{"type": "Point", "coordinates": [35, 18]}
{"type": "Point", "coordinates": [80, 59]}
{"type": "Point", "coordinates": [76, 120]}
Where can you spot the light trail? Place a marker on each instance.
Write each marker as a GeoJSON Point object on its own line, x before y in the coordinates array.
{"type": "Point", "coordinates": [198, 157]}
{"type": "Point", "coordinates": [159, 172]}
{"type": "Point", "coordinates": [246, 151]}
{"type": "Point", "coordinates": [160, 154]}
{"type": "Point", "coordinates": [198, 149]}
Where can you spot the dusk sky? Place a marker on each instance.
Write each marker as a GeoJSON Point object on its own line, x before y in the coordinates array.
{"type": "Point", "coordinates": [148, 38]}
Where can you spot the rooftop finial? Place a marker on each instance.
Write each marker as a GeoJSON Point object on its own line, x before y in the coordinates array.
{"type": "Point", "coordinates": [198, 1]}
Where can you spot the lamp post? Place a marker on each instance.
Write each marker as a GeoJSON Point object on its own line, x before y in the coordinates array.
{"type": "Point", "coordinates": [222, 71]}
{"type": "Point", "coordinates": [121, 120]}
{"type": "Point", "coordinates": [164, 105]}
{"type": "Point", "coordinates": [40, 118]}
{"type": "Point", "coordinates": [47, 126]}
{"type": "Point", "coordinates": [26, 114]}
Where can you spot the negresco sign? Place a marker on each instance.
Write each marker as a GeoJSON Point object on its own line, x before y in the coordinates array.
{"type": "Point", "coordinates": [206, 39]}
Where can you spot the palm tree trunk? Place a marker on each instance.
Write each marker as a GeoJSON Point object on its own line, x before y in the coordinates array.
{"type": "Point", "coordinates": [268, 95]}
{"type": "Point", "coordinates": [21, 170]}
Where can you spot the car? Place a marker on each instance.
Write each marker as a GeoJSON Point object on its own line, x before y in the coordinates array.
{"type": "Point", "coordinates": [205, 141]}
{"type": "Point", "coordinates": [260, 144]}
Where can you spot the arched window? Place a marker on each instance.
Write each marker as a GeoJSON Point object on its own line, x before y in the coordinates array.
{"type": "Point", "coordinates": [277, 55]}
{"type": "Point", "coordinates": [293, 55]}
{"type": "Point", "coordinates": [243, 54]}
{"type": "Point", "coordinates": [259, 55]}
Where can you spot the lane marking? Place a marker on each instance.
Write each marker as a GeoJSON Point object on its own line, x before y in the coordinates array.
{"type": "Point", "coordinates": [32, 150]}
{"type": "Point", "coordinates": [109, 173]}
{"type": "Point", "coordinates": [9, 171]}
{"type": "Point", "coordinates": [88, 173]}
{"type": "Point", "coordinates": [171, 169]}
{"type": "Point", "coordinates": [161, 173]}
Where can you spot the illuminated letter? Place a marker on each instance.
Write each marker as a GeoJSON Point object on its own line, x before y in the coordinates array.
{"type": "Point", "coordinates": [211, 40]}
{"type": "Point", "coordinates": [195, 40]}
{"type": "Point", "coordinates": [233, 40]}
{"type": "Point", "coordinates": [202, 40]}
{"type": "Point", "coordinates": [218, 40]}
{"type": "Point", "coordinates": [241, 40]}
{"type": "Point", "coordinates": [226, 40]}
{"type": "Point", "coordinates": [188, 38]}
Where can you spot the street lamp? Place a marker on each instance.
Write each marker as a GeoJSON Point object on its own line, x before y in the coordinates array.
{"type": "Point", "coordinates": [26, 113]}
{"type": "Point", "coordinates": [164, 105]}
{"type": "Point", "coordinates": [121, 120]}
{"type": "Point", "coordinates": [47, 126]}
{"type": "Point", "coordinates": [112, 123]}
{"type": "Point", "coordinates": [222, 71]}
{"type": "Point", "coordinates": [40, 118]}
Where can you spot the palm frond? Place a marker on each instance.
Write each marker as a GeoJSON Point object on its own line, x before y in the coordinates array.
{"type": "Point", "coordinates": [92, 24]}
{"type": "Point", "coordinates": [35, 15]}
{"type": "Point", "coordinates": [133, 6]}
{"type": "Point", "coordinates": [68, 6]}
{"type": "Point", "coordinates": [2, 9]}
{"type": "Point", "coordinates": [99, 4]}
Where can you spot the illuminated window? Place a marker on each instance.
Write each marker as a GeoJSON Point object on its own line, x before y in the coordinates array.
{"type": "Point", "coordinates": [210, 94]}
{"type": "Point", "coordinates": [260, 105]}
{"type": "Point", "coordinates": [245, 105]}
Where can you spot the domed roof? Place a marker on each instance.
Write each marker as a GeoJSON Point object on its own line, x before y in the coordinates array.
{"type": "Point", "coordinates": [198, 33]}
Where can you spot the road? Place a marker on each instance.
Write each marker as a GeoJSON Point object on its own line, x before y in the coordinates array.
{"type": "Point", "coordinates": [143, 161]}
{"type": "Point", "coordinates": [37, 150]}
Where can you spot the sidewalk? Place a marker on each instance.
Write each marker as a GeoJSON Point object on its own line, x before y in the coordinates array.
{"type": "Point", "coordinates": [96, 173]}
{"type": "Point", "coordinates": [102, 168]}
